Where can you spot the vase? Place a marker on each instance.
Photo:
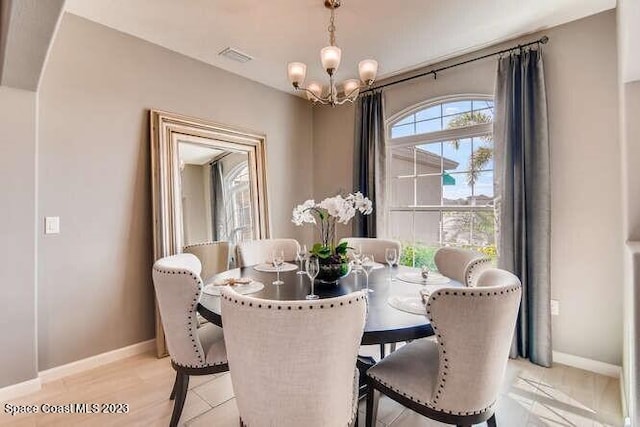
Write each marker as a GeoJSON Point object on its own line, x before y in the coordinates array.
{"type": "Point", "coordinates": [331, 273]}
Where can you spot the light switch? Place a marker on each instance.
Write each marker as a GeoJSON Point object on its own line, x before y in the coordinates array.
{"type": "Point", "coordinates": [52, 225]}
{"type": "Point", "coordinates": [555, 307]}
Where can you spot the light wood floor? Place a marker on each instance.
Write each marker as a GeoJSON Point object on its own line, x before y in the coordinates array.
{"type": "Point", "coordinates": [531, 396]}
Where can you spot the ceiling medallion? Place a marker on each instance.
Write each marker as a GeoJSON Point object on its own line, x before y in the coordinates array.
{"type": "Point", "coordinates": [330, 59]}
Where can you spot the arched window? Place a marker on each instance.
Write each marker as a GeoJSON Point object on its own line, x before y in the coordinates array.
{"type": "Point", "coordinates": [238, 202]}
{"type": "Point", "coordinates": [440, 178]}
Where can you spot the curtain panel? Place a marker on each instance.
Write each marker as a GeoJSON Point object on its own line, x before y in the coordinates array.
{"type": "Point", "coordinates": [369, 163]}
{"type": "Point", "coordinates": [218, 215]}
{"type": "Point", "coordinates": [523, 196]}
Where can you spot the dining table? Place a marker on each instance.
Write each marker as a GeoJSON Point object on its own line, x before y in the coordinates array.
{"type": "Point", "coordinates": [384, 324]}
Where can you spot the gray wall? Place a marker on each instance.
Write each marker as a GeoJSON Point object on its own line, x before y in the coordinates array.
{"type": "Point", "coordinates": [196, 216]}
{"type": "Point", "coordinates": [628, 13]}
{"type": "Point", "coordinates": [95, 290]}
{"type": "Point", "coordinates": [586, 265]}
{"type": "Point", "coordinates": [17, 234]}
{"type": "Point", "coordinates": [631, 183]}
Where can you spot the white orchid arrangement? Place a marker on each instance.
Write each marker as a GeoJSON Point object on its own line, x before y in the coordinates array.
{"type": "Point", "coordinates": [326, 214]}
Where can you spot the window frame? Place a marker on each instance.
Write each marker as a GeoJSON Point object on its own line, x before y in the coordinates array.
{"type": "Point", "coordinates": [473, 131]}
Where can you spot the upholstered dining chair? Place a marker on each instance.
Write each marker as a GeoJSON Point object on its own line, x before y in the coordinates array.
{"type": "Point", "coordinates": [456, 378]}
{"type": "Point", "coordinates": [252, 252]}
{"type": "Point", "coordinates": [193, 350]}
{"type": "Point", "coordinates": [293, 363]}
{"type": "Point", "coordinates": [214, 256]}
{"type": "Point", "coordinates": [377, 248]}
{"type": "Point", "coordinates": [374, 246]}
{"type": "Point", "coordinates": [462, 265]}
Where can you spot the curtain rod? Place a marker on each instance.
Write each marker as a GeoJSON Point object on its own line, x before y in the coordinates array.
{"type": "Point", "coordinates": [541, 40]}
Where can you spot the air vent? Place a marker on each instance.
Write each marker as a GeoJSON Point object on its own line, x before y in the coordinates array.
{"type": "Point", "coordinates": [235, 55]}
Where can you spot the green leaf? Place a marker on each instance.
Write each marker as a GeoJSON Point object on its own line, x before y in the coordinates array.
{"type": "Point", "coordinates": [341, 249]}
{"type": "Point", "coordinates": [321, 251]}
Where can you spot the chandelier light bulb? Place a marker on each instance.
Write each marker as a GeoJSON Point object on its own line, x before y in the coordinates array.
{"type": "Point", "coordinates": [316, 89]}
{"type": "Point", "coordinates": [351, 88]}
{"type": "Point", "coordinates": [368, 69]}
{"type": "Point", "coordinates": [330, 58]}
{"type": "Point", "coordinates": [297, 72]}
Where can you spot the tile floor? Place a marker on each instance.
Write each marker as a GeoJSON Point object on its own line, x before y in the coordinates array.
{"type": "Point", "coordinates": [531, 396]}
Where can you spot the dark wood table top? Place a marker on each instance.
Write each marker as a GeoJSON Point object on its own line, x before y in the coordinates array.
{"type": "Point", "coordinates": [385, 324]}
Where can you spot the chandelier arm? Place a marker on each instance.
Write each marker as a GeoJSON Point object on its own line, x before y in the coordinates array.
{"type": "Point", "coordinates": [316, 98]}
{"type": "Point", "coordinates": [344, 101]}
{"type": "Point", "coordinates": [352, 92]}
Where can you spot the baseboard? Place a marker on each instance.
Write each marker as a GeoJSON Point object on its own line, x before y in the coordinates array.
{"type": "Point", "coordinates": [20, 389]}
{"type": "Point", "coordinates": [96, 361]}
{"type": "Point", "coordinates": [596, 366]}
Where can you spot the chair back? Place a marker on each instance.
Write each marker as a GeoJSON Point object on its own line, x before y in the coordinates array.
{"type": "Point", "coordinates": [214, 257]}
{"type": "Point", "coordinates": [374, 246]}
{"type": "Point", "coordinates": [461, 265]}
{"type": "Point", "coordinates": [474, 328]}
{"type": "Point", "coordinates": [252, 252]}
{"type": "Point", "coordinates": [293, 363]}
{"type": "Point", "coordinates": [178, 286]}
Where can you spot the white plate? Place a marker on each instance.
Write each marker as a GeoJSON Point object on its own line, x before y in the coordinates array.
{"type": "Point", "coordinates": [241, 289]}
{"type": "Point", "coordinates": [268, 268]}
{"type": "Point", "coordinates": [411, 305]}
{"type": "Point", "coordinates": [432, 279]}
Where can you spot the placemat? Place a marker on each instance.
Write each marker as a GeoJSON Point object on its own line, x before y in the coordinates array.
{"type": "Point", "coordinates": [408, 304]}
{"type": "Point", "coordinates": [269, 268]}
{"type": "Point", "coordinates": [241, 289]}
{"type": "Point", "coordinates": [432, 279]}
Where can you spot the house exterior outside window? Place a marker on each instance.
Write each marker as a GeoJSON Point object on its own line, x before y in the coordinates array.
{"type": "Point", "coordinates": [239, 204]}
{"type": "Point", "coordinates": [440, 178]}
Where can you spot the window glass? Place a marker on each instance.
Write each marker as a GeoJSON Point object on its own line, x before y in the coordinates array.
{"type": "Point", "coordinates": [442, 192]}
{"type": "Point", "coordinates": [403, 130]}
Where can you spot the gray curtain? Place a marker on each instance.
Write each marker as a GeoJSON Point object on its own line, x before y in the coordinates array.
{"type": "Point", "coordinates": [369, 159]}
{"type": "Point", "coordinates": [218, 217]}
{"type": "Point", "coordinates": [523, 196]}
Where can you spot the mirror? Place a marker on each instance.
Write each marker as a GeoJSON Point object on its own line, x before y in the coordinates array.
{"type": "Point", "coordinates": [208, 184]}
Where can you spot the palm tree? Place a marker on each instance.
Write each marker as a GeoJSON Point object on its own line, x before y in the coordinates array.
{"type": "Point", "coordinates": [481, 156]}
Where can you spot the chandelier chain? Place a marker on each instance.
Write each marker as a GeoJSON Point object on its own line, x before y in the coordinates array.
{"type": "Point", "coordinates": [332, 27]}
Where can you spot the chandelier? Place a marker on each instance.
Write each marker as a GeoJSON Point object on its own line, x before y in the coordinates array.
{"type": "Point", "coordinates": [330, 58]}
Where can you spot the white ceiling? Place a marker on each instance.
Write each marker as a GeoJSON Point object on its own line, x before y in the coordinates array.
{"type": "Point", "coordinates": [401, 35]}
{"type": "Point", "coordinates": [195, 154]}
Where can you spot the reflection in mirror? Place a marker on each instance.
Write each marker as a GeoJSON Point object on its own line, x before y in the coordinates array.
{"type": "Point", "coordinates": [216, 195]}
{"type": "Point", "coordinates": [208, 185]}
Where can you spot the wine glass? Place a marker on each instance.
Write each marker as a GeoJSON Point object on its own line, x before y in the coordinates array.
{"type": "Point", "coordinates": [300, 257]}
{"type": "Point", "coordinates": [391, 256]}
{"type": "Point", "coordinates": [356, 254]}
{"type": "Point", "coordinates": [367, 266]}
{"type": "Point", "coordinates": [278, 260]}
{"type": "Point", "coordinates": [313, 268]}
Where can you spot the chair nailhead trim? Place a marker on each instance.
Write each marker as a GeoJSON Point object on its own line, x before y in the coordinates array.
{"type": "Point", "coordinates": [442, 347]}
{"type": "Point", "coordinates": [300, 307]}
{"type": "Point", "coordinates": [191, 326]}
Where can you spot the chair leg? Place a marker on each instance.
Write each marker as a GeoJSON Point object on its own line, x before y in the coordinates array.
{"type": "Point", "coordinates": [373, 396]}
{"type": "Point", "coordinates": [175, 387]}
{"type": "Point", "coordinates": [181, 396]}
{"type": "Point", "coordinates": [491, 422]}
{"type": "Point", "coordinates": [382, 351]}
{"type": "Point", "coordinates": [393, 347]}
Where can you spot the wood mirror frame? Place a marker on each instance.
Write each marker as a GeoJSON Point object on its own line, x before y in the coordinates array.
{"type": "Point", "coordinates": [167, 130]}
